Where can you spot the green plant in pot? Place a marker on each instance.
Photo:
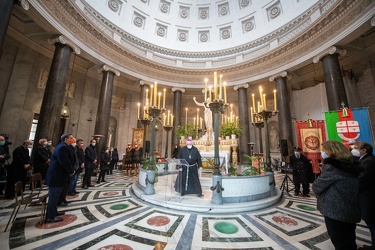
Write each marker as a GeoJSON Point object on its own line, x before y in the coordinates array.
{"type": "Point", "coordinates": [230, 128]}
{"type": "Point", "coordinates": [181, 131]}
{"type": "Point", "coordinates": [145, 165]}
{"type": "Point", "coordinates": [186, 130]}
{"type": "Point", "coordinates": [249, 169]}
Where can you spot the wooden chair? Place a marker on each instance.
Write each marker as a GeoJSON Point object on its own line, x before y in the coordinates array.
{"type": "Point", "coordinates": [21, 200]}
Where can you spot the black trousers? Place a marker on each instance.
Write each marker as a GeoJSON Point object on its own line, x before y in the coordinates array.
{"type": "Point", "coordinates": [101, 175]}
{"type": "Point", "coordinates": [87, 177]}
{"type": "Point", "coordinates": [342, 234]}
{"type": "Point", "coordinates": [305, 188]}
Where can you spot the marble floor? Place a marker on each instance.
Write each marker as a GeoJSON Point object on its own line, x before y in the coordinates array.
{"type": "Point", "coordinates": [110, 216]}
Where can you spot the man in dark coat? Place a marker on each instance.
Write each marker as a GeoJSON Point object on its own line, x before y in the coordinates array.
{"type": "Point", "coordinates": [105, 161]}
{"type": "Point", "coordinates": [61, 167]}
{"type": "Point", "coordinates": [4, 156]}
{"type": "Point", "coordinates": [302, 172]}
{"type": "Point", "coordinates": [41, 158]}
{"type": "Point", "coordinates": [367, 186]}
{"type": "Point", "coordinates": [80, 165]}
{"type": "Point", "coordinates": [19, 168]}
{"type": "Point", "coordinates": [188, 180]}
{"type": "Point", "coordinates": [91, 159]}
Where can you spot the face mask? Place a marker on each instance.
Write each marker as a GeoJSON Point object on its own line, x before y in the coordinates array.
{"type": "Point", "coordinates": [49, 143]}
{"type": "Point", "coordinates": [2, 143]}
{"type": "Point", "coordinates": [297, 154]}
{"type": "Point", "coordinates": [324, 155]}
{"type": "Point", "coordinates": [30, 145]}
{"type": "Point", "coordinates": [355, 152]}
{"type": "Point", "coordinates": [176, 147]}
{"type": "Point", "coordinates": [107, 151]}
{"type": "Point", "coordinates": [189, 146]}
{"type": "Point", "coordinates": [352, 146]}
{"type": "Point", "coordinates": [73, 144]}
{"type": "Point", "coordinates": [93, 144]}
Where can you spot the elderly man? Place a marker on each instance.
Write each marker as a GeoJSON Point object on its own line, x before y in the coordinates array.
{"type": "Point", "coordinates": [302, 172]}
{"type": "Point", "coordinates": [61, 167]}
{"type": "Point", "coordinates": [41, 158]}
{"type": "Point", "coordinates": [188, 180]}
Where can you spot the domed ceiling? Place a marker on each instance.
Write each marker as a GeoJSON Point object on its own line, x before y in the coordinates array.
{"type": "Point", "coordinates": [182, 42]}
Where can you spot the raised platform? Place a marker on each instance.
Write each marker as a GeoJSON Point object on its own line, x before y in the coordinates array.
{"type": "Point", "coordinates": [166, 197]}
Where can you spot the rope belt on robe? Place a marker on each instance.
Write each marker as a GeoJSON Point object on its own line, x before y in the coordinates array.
{"type": "Point", "coordinates": [187, 175]}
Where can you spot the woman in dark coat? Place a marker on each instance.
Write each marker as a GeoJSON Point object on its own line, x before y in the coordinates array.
{"type": "Point", "coordinates": [105, 161]}
{"type": "Point", "coordinates": [337, 191]}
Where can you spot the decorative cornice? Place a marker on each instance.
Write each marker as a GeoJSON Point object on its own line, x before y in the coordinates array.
{"type": "Point", "coordinates": [25, 4]}
{"type": "Point", "coordinates": [245, 86]}
{"type": "Point", "coordinates": [281, 74]}
{"type": "Point", "coordinates": [332, 50]}
{"type": "Point", "coordinates": [178, 89]}
{"type": "Point", "coordinates": [110, 69]}
{"type": "Point", "coordinates": [373, 21]}
{"type": "Point", "coordinates": [62, 39]}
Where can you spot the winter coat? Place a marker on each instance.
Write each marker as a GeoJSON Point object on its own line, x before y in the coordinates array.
{"type": "Point", "coordinates": [337, 190]}
{"type": "Point", "coordinates": [302, 169]}
{"type": "Point", "coordinates": [90, 157]}
{"type": "Point", "coordinates": [367, 188]}
{"type": "Point", "coordinates": [105, 160]}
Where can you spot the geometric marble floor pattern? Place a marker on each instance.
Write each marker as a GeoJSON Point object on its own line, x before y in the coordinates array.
{"type": "Point", "coordinates": [107, 216]}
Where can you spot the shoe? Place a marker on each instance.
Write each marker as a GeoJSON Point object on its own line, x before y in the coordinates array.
{"type": "Point", "coordinates": [65, 201]}
{"type": "Point", "coordinates": [104, 181]}
{"type": "Point", "coordinates": [306, 195]}
{"type": "Point", "coordinates": [98, 182]}
{"type": "Point", "coordinates": [54, 220]}
{"type": "Point", "coordinates": [200, 195]}
{"type": "Point", "coordinates": [76, 192]}
{"type": "Point", "coordinates": [85, 188]}
{"type": "Point", "coordinates": [91, 185]}
{"type": "Point", "coordinates": [296, 193]}
{"type": "Point", "coordinates": [62, 204]}
{"type": "Point", "coordinates": [60, 213]}
{"type": "Point", "coordinates": [71, 194]}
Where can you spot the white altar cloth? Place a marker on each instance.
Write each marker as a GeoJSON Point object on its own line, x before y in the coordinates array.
{"type": "Point", "coordinates": [224, 158]}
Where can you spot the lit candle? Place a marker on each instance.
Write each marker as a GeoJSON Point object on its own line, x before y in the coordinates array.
{"type": "Point", "coordinates": [205, 89]}
{"type": "Point", "coordinates": [225, 92]}
{"type": "Point", "coordinates": [169, 114]}
{"type": "Point", "coordinates": [231, 116]}
{"type": "Point", "coordinates": [215, 85]}
{"type": "Point", "coordinates": [258, 107]}
{"type": "Point", "coordinates": [159, 97]}
{"type": "Point", "coordinates": [253, 99]}
{"type": "Point", "coordinates": [274, 100]}
{"type": "Point", "coordinates": [194, 121]}
{"type": "Point", "coordinates": [264, 102]}
{"type": "Point", "coordinates": [172, 120]}
{"type": "Point", "coordinates": [197, 116]}
{"type": "Point", "coordinates": [164, 117]}
{"type": "Point", "coordinates": [260, 95]}
{"type": "Point", "coordinates": [151, 95]}
{"type": "Point", "coordinates": [200, 122]}
{"type": "Point", "coordinates": [220, 88]}
{"type": "Point", "coordinates": [231, 108]}
{"type": "Point", "coordinates": [146, 94]}
{"type": "Point", "coordinates": [139, 109]}
{"type": "Point", "coordinates": [251, 114]}
{"type": "Point", "coordinates": [164, 90]}
{"type": "Point", "coordinates": [186, 109]}
{"type": "Point", "coordinates": [155, 93]}
{"type": "Point", "coordinates": [209, 89]}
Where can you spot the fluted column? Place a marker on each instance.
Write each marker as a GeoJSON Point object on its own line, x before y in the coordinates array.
{"type": "Point", "coordinates": [53, 98]}
{"type": "Point", "coordinates": [6, 7]}
{"type": "Point", "coordinates": [335, 88]}
{"type": "Point", "coordinates": [177, 111]}
{"type": "Point", "coordinates": [243, 114]}
{"type": "Point", "coordinates": [284, 114]}
{"type": "Point", "coordinates": [105, 102]}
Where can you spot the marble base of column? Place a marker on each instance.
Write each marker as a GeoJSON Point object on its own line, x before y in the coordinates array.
{"type": "Point", "coordinates": [150, 181]}
{"type": "Point", "coordinates": [217, 197]}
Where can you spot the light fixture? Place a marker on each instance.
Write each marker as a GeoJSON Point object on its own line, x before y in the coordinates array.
{"type": "Point", "coordinates": [65, 111]}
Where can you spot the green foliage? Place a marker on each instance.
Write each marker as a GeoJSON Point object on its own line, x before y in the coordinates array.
{"type": "Point", "coordinates": [230, 128]}
{"type": "Point", "coordinates": [186, 130]}
{"type": "Point", "coordinates": [232, 170]}
{"type": "Point", "coordinates": [249, 169]}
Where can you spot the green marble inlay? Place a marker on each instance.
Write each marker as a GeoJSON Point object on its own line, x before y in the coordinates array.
{"type": "Point", "coordinates": [117, 185]}
{"type": "Point", "coordinates": [226, 227]}
{"type": "Point", "coordinates": [119, 206]}
{"type": "Point", "coordinates": [307, 208]}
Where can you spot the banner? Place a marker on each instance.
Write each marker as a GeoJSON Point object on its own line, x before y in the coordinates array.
{"type": "Point", "coordinates": [349, 124]}
{"type": "Point", "coordinates": [310, 135]}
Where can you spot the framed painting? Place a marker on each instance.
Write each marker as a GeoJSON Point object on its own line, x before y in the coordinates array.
{"type": "Point", "coordinates": [137, 136]}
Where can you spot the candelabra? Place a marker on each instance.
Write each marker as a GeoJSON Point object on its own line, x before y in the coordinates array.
{"type": "Point", "coordinates": [153, 112]}
{"type": "Point", "coordinates": [145, 122]}
{"type": "Point", "coordinates": [259, 125]}
{"type": "Point", "coordinates": [265, 115]}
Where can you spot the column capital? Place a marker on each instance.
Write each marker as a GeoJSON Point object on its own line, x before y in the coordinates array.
{"type": "Point", "coordinates": [331, 50]}
{"type": "Point", "coordinates": [25, 4]}
{"type": "Point", "coordinates": [245, 86]}
{"type": "Point", "coordinates": [106, 67]}
{"type": "Point", "coordinates": [62, 39]}
{"type": "Point", "coordinates": [281, 74]}
{"type": "Point", "coordinates": [178, 89]}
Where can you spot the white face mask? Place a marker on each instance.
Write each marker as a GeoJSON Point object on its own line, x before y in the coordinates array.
{"type": "Point", "coordinates": [189, 146]}
{"type": "Point", "coordinates": [93, 144]}
{"type": "Point", "coordinates": [355, 152]}
{"type": "Point", "coordinates": [49, 143]}
{"type": "Point", "coordinates": [297, 154]}
{"type": "Point", "coordinates": [73, 144]}
{"type": "Point", "coordinates": [107, 151]}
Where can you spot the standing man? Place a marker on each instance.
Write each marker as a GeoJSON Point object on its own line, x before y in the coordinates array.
{"type": "Point", "coordinates": [302, 172]}
{"type": "Point", "coordinates": [59, 171]}
{"type": "Point", "coordinates": [42, 158]}
{"type": "Point", "coordinates": [188, 180]}
{"type": "Point", "coordinates": [91, 159]}
{"type": "Point", "coordinates": [3, 157]}
{"type": "Point", "coordinates": [80, 154]}
{"type": "Point", "coordinates": [367, 186]}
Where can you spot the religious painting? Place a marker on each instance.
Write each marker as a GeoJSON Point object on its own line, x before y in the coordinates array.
{"type": "Point", "coordinates": [274, 139]}
{"type": "Point", "coordinates": [137, 136]}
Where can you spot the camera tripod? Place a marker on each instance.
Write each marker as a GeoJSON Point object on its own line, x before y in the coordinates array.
{"type": "Point", "coordinates": [285, 183]}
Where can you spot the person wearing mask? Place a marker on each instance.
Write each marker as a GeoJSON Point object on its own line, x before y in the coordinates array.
{"type": "Point", "coordinates": [59, 171]}
{"type": "Point", "coordinates": [91, 159]}
{"type": "Point", "coordinates": [137, 157]}
{"type": "Point", "coordinates": [302, 172]}
{"type": "Point", "coordinates": [50, 147]}
{"type": "Point", "coordinates": [4, 156]}
{"type": "Point", "coordinates": [79, 167]}
{"type": "Point", "coordinates": [19, 168]}
{"type": "Point", "coordinates": [337, 192]}
{"type": "Point", "coordinates": [367, 186]}
{"type": "Point", "coordinates": [175, 151]}
{"type": "Point", "coordinates": [105, 161]}
{"type": "Point", "coordinates": [41, 158]}
{"type": "Point", "coordinates": [187, 181]}
{"type": "Point", "coordinates": [114, 159]}
{"type": "Point", "coordinates": [128, 159]}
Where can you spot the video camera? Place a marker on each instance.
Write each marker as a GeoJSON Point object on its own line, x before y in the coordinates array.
{"type": "Point", "coordinates": [6, 137]}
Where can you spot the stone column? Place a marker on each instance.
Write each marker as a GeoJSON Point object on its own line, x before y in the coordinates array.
{"type": "Point", "coordinates": [6, 7]}
{"type": "Point", "coordinates": [335, 88]}
{"type": "Point", "coordinates": [141, 101]}
{"type": "Point", "coordinates": [104, 106]}
{"type": "Point", "coordinates": [243, 116]}
{"type": "Point", "coordinates": [284, 115]}
{"type": "Point", "coordinates": [177, 111]}
{"type": "Point", "coordinates": [54, 94]}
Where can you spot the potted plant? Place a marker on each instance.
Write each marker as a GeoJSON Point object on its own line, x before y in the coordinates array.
{"type": "Point", "coordinates": [186, 130]}
{"type": "Point", "coordinates": [230, 128]}
{"type": "Point", "coordinates": [249, 169]}
{"type": "Point", "coordinates": [145, 165]}
{"type": "Point", "coordinates": [181, 131]}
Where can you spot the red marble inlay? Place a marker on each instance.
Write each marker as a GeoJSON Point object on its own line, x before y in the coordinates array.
{"type": "Point", "coordinates": [158, 221]}
{"type": "Point", "coordinates": [110, 193]}
{"type": "Point", "coordinates": [116, 247]}
{"type": "Point", "coordinates": [283, 220]}
{"type": "Point", "coordinates": [68, 218]}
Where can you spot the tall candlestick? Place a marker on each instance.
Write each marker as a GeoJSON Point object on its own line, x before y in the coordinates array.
{"type": "Point", "coordinates": [260, 95]}
{"type": "Point", "coordinates": [220, 88]}
{"type": "Point", "coordinates": [139, 109]}
{"type": "Point", "coordinates": [200, 122]}
{"type": "Point", "coordinates": [215, 85]}
{"type": "Point", "coordinates": [205, 89]}
{"type": "Point", "coordinates": [146, 94]}
{"type": "Point", "coordinates": [264, 102]}
{"type": "Point", "coordinates": [231, 116]}
{"type": "Point", "coordinates": [159, 97]}
{"type": "Point", "coordinates": [251, 114]}
{"type": "Point", "coordinates": [186, 109]}
{"type": "Point", "coordinates": [209, 89]}
{"type": "Point", "coordinates": [197, 116]}
{"type": "Point", "coordinates": [155, 92]}
{"type": "Point", "coordinates": [231, 108]}
{"type": "Point", "coordinates": [144, 112]}
{"type": "Point", "coordinates": [253, 99]}
{"type": "Point", "coordinates": [225, 92]}
{"type": "Point", "coordinates": [164, 90]}
{"type": "Point", "coordinates": [151, 95]}
{"type": "Point", "coordinates": [274, 100]}
{"type": "Point", "coordinates": [172, 120]}
{"type": "Point", "coordinates": [259, 107]}
{"type": "Point", "coordinates": [194, 121]}
{"type": "Point", "coordinates": [169, 114]}
{"type": "Point", "coordinates": [164, 118]}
